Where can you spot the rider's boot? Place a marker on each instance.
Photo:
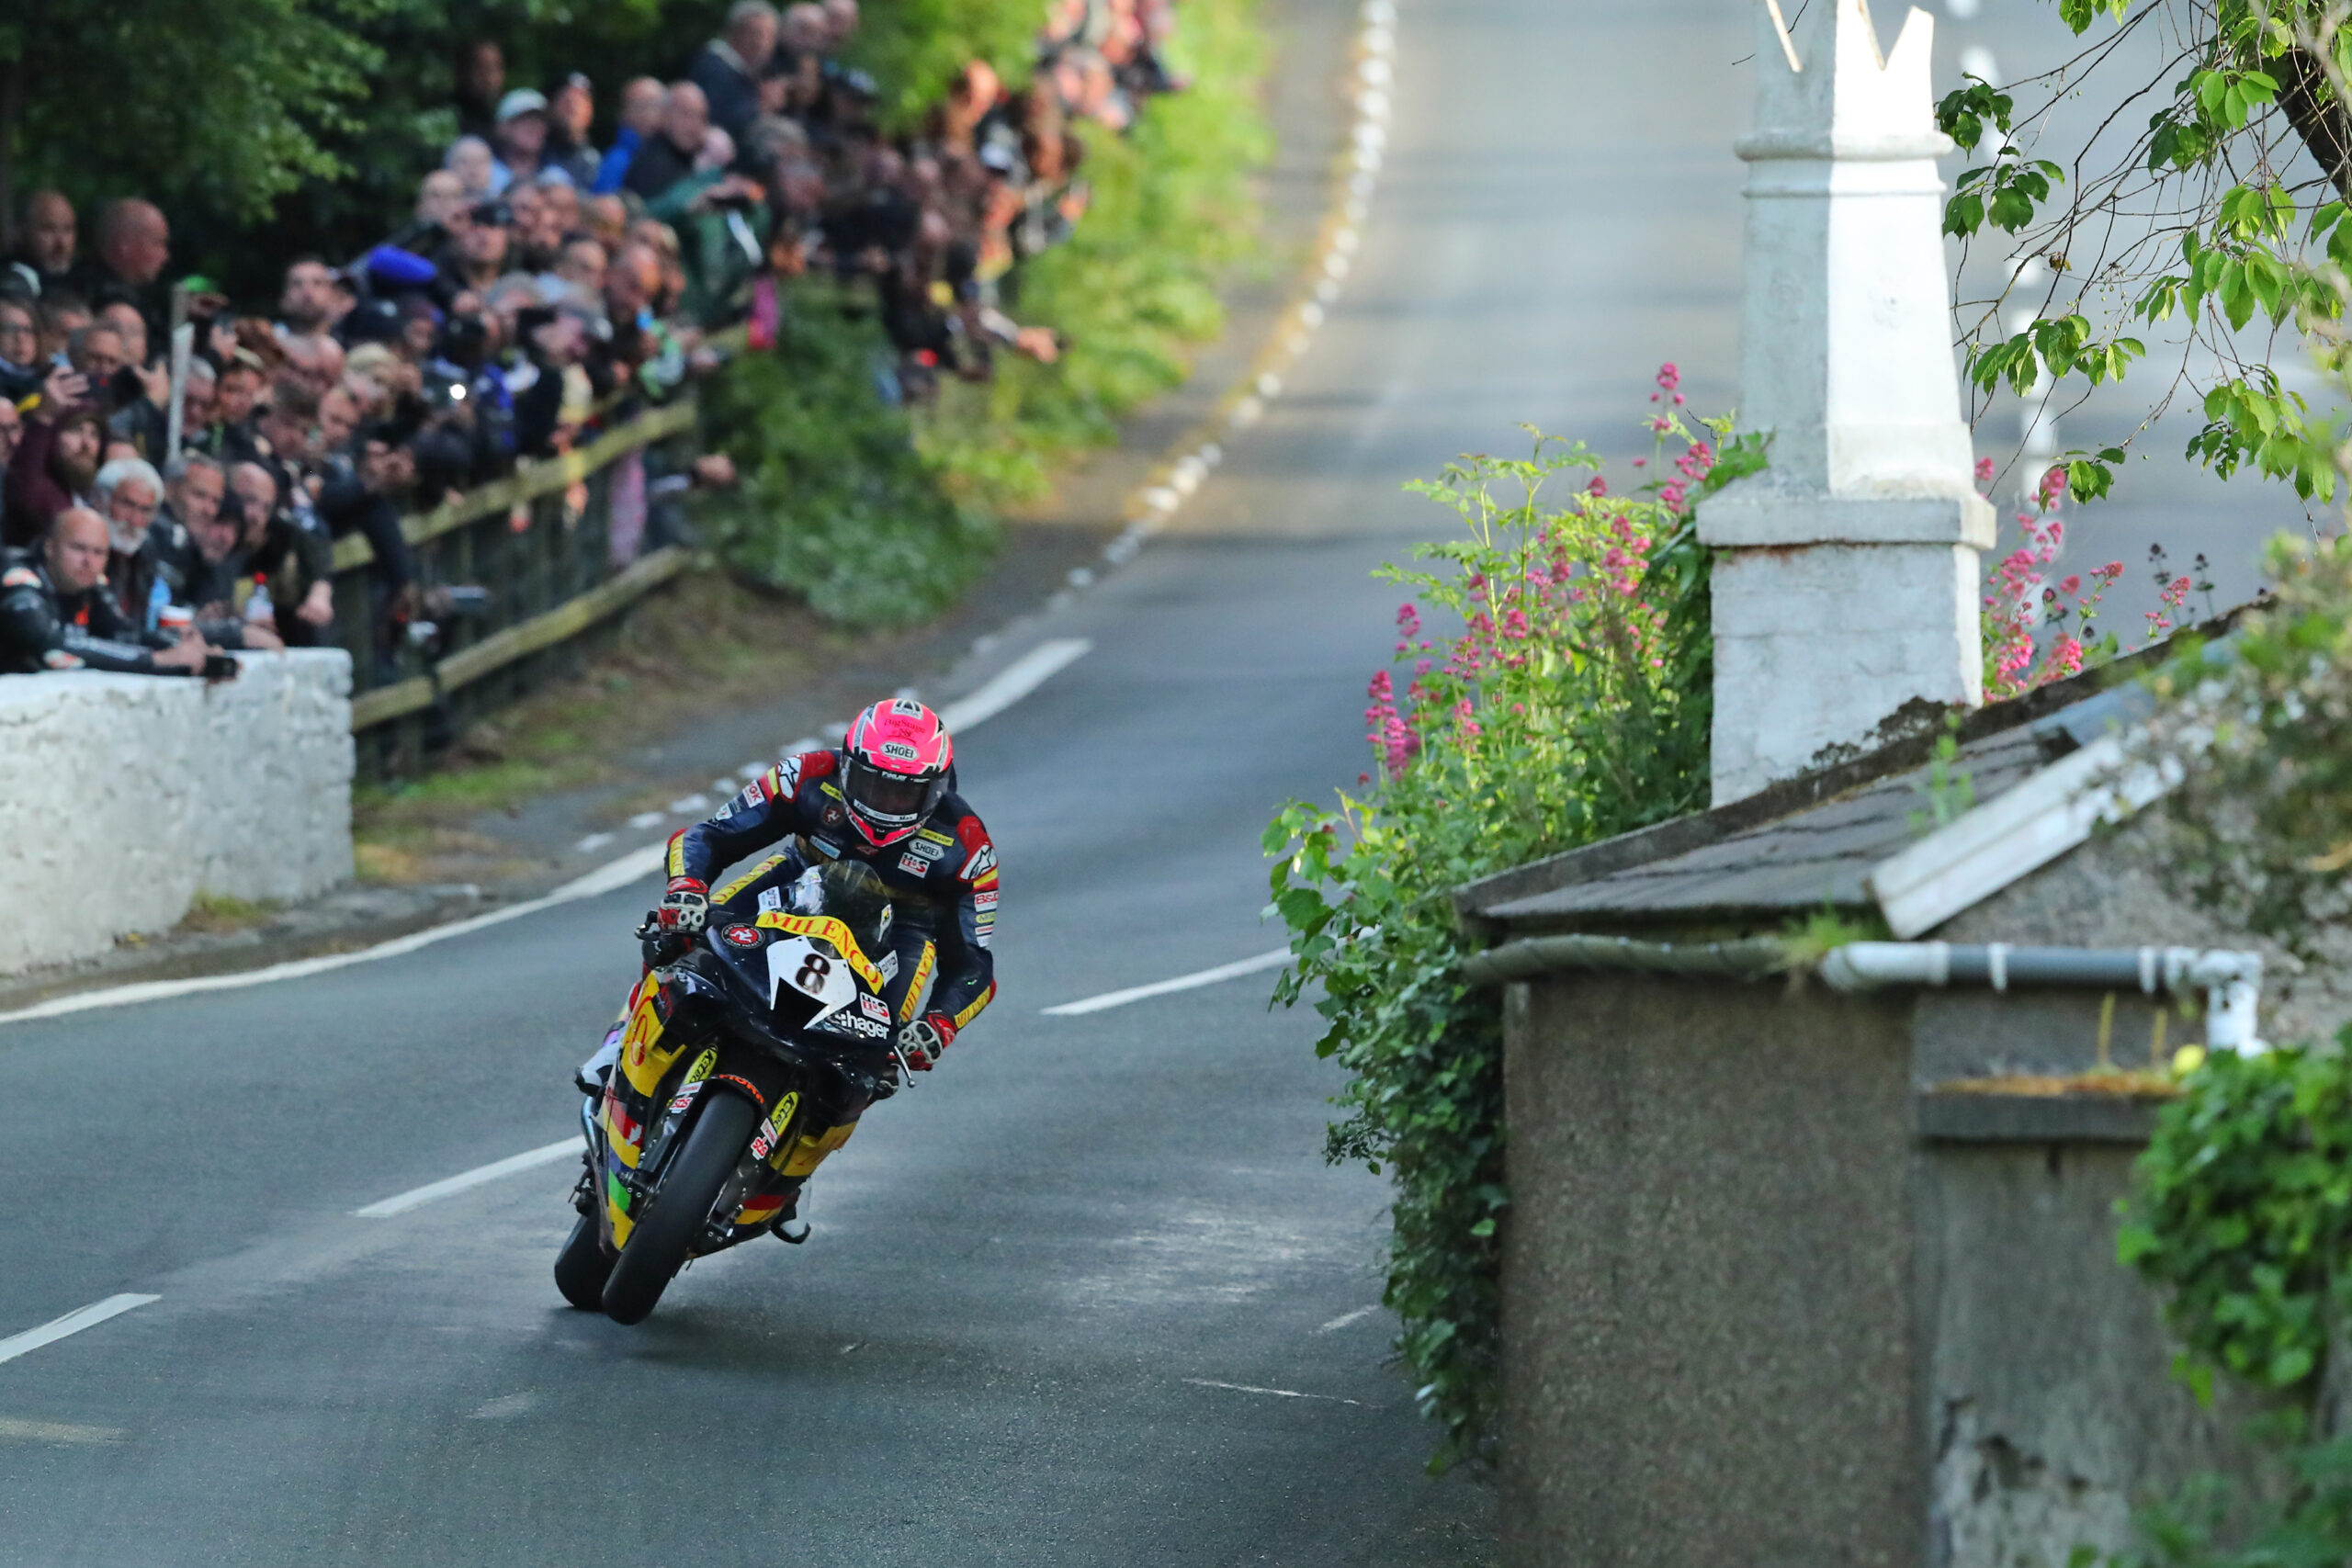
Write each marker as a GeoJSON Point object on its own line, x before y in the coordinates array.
{"type": "Point", "coordinates": [597, 1070]}
{"type": "Point", "coordinates": [779, 1227]}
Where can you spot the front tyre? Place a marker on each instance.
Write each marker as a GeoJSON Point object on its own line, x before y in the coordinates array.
{"type": "Point", "coordinates": [668, 1230]}
{"type": "Point", "coordinates": [583, 1266]}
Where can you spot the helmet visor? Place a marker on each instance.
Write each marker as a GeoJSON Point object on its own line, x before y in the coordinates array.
{"type": "Point", "coordinates": [888, 797]}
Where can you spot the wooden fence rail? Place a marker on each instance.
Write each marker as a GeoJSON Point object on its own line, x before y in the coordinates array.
{"type": "Point", "coordinates": [544, 543]}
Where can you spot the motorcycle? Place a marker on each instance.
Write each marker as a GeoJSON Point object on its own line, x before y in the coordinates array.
{"type": "Point", "coordinates": [742, 1046]}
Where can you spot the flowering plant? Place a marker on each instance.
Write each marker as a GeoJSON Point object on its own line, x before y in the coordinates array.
{"type": "Point", "coordinates": [1556, 691]}
{"type": "Point", "coordinates": [2020, 599]}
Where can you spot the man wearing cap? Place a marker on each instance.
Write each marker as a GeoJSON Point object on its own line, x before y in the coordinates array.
{"type": "Point", "coordinates": [521, 133]}
{"type": "Point", "coordinates": [55, 613]}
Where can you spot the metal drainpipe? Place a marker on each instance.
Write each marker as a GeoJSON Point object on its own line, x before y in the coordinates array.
{"type": "Point", "coordinates": [2232, 981]}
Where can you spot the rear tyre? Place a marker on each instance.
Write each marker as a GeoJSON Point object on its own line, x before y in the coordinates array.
{"type": "Point", "coordinates": [669, 1228]}
{"type": "Point", "coordinates": [582, 1267]}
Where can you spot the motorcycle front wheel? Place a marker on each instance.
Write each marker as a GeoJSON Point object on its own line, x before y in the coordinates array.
{"type": "Point", "coordinates": [668, 1230]}
{"type": "Point", "coordinates": [583, 1266]}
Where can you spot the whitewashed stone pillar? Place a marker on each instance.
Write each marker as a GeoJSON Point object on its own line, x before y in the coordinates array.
{"type": "Point", "coordinates": [1846, 582]}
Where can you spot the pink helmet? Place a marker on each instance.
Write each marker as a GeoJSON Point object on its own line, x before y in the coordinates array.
{"type": "Point", "coordinates": [894, 769]}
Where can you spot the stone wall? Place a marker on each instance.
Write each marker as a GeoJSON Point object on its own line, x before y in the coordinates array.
{"type": "Point", "coordinates": [123, 797]}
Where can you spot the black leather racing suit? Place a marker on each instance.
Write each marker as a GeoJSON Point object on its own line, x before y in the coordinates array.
{"type": "Point", "coordinates": [943, 879]}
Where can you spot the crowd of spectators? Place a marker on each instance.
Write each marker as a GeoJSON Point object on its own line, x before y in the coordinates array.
{"type": "Point", "coordinates": [547, 282]}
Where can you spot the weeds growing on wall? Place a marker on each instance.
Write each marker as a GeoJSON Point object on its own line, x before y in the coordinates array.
{"type": "Point", "coordinates": [1555, 666]}
{"type": "Point", "coordinates": [2241, 1216]}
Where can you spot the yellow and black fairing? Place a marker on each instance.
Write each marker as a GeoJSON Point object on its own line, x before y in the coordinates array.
{"type": "Point", "coordinates": [811, 1076]}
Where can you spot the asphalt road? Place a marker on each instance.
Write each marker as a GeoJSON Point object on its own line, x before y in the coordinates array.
{"type": "Point", "coordinates": [1053, 1291]}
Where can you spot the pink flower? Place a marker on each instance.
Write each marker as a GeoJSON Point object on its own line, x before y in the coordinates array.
{"type": "Point", "coordinates": [1671, 494]}
{"type": "Point", "coordinates": [1669, 376]}
{"type": "Point", "coordinates": [1661, 424]}
{"type": "Point", "coordinates": [1641, 462]}
{"type": "Point", "coordinates": [2071, 586]}
{"type": "Point", "coordinates": [1599, 486]}
{"type": "Point", "coordinates": [1408, 619]}
{"type": "Point", "coordinates": [1984, 470]}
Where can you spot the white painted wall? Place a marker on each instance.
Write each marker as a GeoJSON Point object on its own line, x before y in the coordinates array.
{"type": "Point", "coordinates": [122, 797]}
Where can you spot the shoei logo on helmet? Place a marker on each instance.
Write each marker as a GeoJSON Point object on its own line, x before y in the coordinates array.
{"type": "Point", "coordinates": [900, 752]}
{"type": "Point", "coordinates": [741, 936]}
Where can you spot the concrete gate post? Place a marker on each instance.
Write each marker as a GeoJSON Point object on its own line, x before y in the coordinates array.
{"type": "Point", "coordinates": [1846, 580]}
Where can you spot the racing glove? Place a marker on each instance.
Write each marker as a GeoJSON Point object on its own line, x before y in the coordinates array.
{"type": "Point", "coordinates": [921, 1042]}
{"type": "Point", "coordinates": [685, 907]}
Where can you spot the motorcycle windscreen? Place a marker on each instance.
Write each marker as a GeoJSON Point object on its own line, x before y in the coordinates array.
{"type": "Point", "coordinates": [794, 966]}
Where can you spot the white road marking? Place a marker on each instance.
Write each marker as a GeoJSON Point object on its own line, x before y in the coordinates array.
{"type": "Point", "coordinates": [56, 1432]}
{"type": "Point", "coordinates": [607, 878]}
{"type": "Point", "coordinates": [1161, 987]}
{"type": "Point", "coordinates": [1277, 1392]}
{"type": "Point", "coordinates": [72, 1322]}
{"type": "Point", "coordinates": [1346, 1318]}
{"type": "Point", "coordinates": [1014, 682]}
{"type": "Point", "coordinates": [417, 1197]}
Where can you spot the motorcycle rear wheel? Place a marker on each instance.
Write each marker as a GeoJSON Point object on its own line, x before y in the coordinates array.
{"type": "Point", "coordinates": [668, 1230]}
{"type": "Point", "coordinates": [583, 1266]}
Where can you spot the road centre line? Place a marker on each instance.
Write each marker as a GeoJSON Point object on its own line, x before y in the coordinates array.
{"type": "Point", "coordinates": [73, 1323]}
{"type": "Point", "coordinates": [417, 1197]}
{"type": "Point", "coordinates": [1162, 987]}
{"type": "Point", "coordinates": [11, 1428]}
{"type": "Point", "coordinates": [1011, 684]}
{"type": "Point", "coordinates": [1277, 1392]}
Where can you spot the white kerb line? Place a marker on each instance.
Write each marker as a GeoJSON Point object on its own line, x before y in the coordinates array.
{"type": "Point", "coordinates": [1182, 983]}
{"type": "Point", "coordinates": [1011, 684]}
{"type": "Point", "coordinates": [1014, 682]}
{"type": "Point", "coordinates": [72, 1322]}
{"type": "Point", "coordinates": [419, 1196]}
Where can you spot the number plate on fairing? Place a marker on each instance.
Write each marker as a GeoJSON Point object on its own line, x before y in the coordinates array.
{"type": "Point", "coordinates": [795, 964]}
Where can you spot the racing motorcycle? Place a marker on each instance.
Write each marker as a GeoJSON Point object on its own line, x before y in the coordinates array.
{"type": "Point", "coordinates": [742, 1048]}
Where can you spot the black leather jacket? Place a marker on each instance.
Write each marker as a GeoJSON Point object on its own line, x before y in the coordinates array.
{"type": "Point", "coordinates": [43, 630]}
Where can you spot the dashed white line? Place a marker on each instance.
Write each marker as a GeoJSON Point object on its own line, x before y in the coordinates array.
{"type": "Point", "coordinates": [1348, 1317]}
{"type": "Point", "coordinates": [1014, 682]}
{"type": "Point", "coordinates": [1180, 983]}
{"type": "Point", "coordinates": [72, 1322]}
{"type": "Point", "coordinates": [11, 1427]}
{"type": "Point", "coordinates": [1277, 1392]}
{"type": "Point", "coordinates": [416, 1197]}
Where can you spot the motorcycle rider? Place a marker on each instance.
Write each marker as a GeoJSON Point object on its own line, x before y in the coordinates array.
{"type": "Point", "coordinates": [884, 797]}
